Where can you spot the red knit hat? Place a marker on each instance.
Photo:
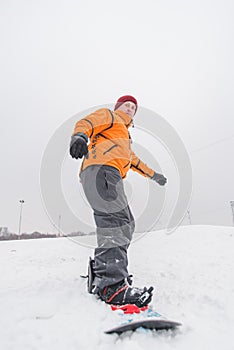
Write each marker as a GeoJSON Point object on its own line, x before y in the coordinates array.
{"type": "Point", "coordinates": [123, 99]}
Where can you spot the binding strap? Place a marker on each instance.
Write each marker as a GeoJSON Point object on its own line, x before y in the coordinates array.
{"type": "Point", "coordinates": [116, 293]}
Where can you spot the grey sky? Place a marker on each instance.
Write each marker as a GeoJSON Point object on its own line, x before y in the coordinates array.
{"type": "Point", "coordinates": [61, 57]}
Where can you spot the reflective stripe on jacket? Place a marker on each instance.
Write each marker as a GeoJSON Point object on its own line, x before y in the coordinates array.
{"type": "Point", "coordinates": [110, 142]}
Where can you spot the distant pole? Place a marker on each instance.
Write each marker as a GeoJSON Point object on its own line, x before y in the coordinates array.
{"type": "Point", "coordinates": [59, 225]}
{"type": "Point", "coordinates": [189, 217]}
{"type": "Point", "coordinates": [232, 208]}
{"type": "Point", "coordinates": [20, 218]}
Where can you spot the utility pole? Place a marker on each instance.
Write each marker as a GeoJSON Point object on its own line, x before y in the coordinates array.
{"type": "Point", "coordinates": [189, 217]}
{"type": "Point", "coordinates": [232, 209]}
{"type": "Point", "coordinates": [59, 225]}
{"type": "Point", "coordinates": [20, 218]}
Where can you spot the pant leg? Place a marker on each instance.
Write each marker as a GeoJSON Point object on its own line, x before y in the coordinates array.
{"type": "Point", "coordinates": [103, 187]}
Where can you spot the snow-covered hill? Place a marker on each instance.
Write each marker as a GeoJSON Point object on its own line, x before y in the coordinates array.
{"type": "Point", "coordinates": [44, 303]}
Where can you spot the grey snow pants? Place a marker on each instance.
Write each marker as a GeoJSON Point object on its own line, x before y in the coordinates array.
{"type": "Point", "coordinates": [103, 187]}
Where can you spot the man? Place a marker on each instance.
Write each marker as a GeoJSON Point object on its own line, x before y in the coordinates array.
{"type": "Point", "coordinates": [107, 159]}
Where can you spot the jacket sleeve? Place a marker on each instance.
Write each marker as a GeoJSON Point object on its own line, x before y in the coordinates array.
{"type": "Point", "coordinates": [94, 123]}
{"type": "Point", "coordinates": [140, 167]}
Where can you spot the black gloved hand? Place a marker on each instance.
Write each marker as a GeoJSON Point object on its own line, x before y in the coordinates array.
{"type": "Point", "coordinates": [159, 178]}
{"type": "Point", "coordinates": [78, 146]}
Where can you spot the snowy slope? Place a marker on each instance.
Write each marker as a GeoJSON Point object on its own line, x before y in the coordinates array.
{"type": "Point", "coordinates": [44, 303]}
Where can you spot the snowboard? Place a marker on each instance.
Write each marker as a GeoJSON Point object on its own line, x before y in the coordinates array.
{"type": "Point", "coordinates": [141, 318]}
{"type": "Point", "coordinates": [152, 324]}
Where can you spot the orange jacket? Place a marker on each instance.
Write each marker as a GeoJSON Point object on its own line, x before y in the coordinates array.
{"type": "Point", "coordinates": [110, 142]}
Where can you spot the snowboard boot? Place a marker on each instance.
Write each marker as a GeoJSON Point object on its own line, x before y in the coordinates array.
{"type": "Point", "coordinates": [122, 293]}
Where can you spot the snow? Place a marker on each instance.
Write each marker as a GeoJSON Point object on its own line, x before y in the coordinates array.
{"type": "Point", "coordinates": [44, 303]}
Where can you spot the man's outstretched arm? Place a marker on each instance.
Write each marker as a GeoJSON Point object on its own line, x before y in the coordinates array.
{"type": "Point", "coordinates": [87, 127]}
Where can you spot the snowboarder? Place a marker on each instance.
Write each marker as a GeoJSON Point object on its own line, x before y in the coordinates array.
{"type": "Point", "coordinates": [107, 159]}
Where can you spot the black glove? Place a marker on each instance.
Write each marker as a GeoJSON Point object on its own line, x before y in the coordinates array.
{"type": "Point", "coordinates": [78, 146]}
{"type": "Point", "coordinates": [159, 178]}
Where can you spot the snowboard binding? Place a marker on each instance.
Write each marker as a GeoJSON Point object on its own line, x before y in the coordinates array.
{"type": "Point", "coordinates": [90, 276]}
{"type": "Point", "coordinates": [122, 294]}
{"type": "Point", "coordinates": [129, 308]}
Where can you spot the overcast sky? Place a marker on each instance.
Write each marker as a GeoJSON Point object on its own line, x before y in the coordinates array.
{"type": "Point", "coordinates": [62, 57]}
